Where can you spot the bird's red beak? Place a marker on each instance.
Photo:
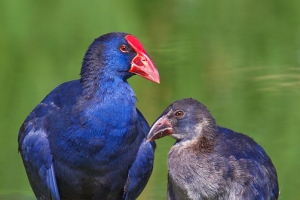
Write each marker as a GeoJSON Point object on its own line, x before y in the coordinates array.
{"type": "Point", "coordinates": [142, 64]}
{"type": "Point", "coordinates": [161, 128]}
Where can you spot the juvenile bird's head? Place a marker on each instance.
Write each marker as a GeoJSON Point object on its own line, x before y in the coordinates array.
{"type": "Point", "coordinates": [186, 119]}
{"type": "Point", "coordinates": [118, 55]}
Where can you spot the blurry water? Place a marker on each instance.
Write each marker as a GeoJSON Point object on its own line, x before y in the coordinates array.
{"type": "Point", "coordinates": [239, 58]}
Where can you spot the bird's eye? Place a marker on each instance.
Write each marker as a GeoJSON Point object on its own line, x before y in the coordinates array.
{"type": "Point", "coordinates": [124, 48]}
{"type": "Point", "coordinates": [179, 113]}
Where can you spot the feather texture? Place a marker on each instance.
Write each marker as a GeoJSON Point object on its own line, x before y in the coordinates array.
{"type": "Point", "coordinates": [211, 162]}
{"type": "Point", "coordinates": [86, 139]}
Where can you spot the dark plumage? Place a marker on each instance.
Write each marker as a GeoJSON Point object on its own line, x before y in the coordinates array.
{"type": "Point", "coordinates": [211, 162]}
{"type": "Point", "coordinates": [86, 139]}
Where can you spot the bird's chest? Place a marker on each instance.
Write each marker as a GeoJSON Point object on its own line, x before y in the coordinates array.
{"type": "Point", "coordinates": [180, 172]}
{"type": "Point", "coordinates": [193, 176]}
{"type": "Point", "coordinates": [95, 136]}
{"type": "Point", "coordinates": [96, 142]}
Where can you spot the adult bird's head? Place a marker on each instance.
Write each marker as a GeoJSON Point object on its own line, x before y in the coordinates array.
{"type": "Point", "coordinates": [118, 55]}
{"type": "Point", "coordinates": [186, 119]}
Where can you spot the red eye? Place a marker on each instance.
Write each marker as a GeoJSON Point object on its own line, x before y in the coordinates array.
{"type": "Point", "coordinates": [124, 48]}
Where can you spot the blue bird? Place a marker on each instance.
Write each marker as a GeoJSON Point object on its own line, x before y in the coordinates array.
{"type": "Point", "coordinates": [87, 139]}
{"type": "Point", "coordinates": [211, 162]}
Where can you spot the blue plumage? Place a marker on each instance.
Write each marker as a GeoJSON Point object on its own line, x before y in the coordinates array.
{"type": "Point", "coordinates": [86, 139]}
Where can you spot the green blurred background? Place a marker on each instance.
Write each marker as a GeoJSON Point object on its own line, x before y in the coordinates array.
{"type": "Point", "coordinates": [241, 58]}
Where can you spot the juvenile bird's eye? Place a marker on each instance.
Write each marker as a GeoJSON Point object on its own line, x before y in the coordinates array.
{"type": "Point", "coordinates": [179, 113]}
{"type": "Point", "coordinates": [124, 48]}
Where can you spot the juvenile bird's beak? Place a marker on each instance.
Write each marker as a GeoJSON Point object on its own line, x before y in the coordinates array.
{"type": "Point", "coordinates": [142, 64]}
{"type": "Point", "coordinates": [161, 128]}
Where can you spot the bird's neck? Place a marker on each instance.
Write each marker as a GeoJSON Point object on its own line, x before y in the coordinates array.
{"type": "Point", "coordinates": [110, 99]}
{"type": "Point", "coordinates": [91, 79]}
{"type": "Point", "coordinates": [98, 84]}
{"type": "Point", "coordinates": [206, 141]}
{"type": "Point", "coordinates": [203, 142]}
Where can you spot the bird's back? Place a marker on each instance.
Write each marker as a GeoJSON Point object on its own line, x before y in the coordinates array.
{"type": "Point", "coordinates": [33, 140]}
{"type": "Point", "coordinates": [249, 167]}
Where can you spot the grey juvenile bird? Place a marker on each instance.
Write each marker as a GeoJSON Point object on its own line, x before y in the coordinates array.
{"type": "Point", "coordinates": [211, 162]}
